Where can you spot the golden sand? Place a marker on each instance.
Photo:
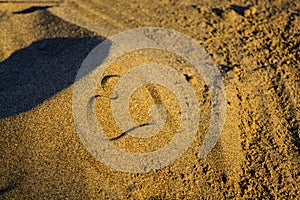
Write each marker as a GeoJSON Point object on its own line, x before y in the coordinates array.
{"type": "Point", "coordinates": [256, 47]}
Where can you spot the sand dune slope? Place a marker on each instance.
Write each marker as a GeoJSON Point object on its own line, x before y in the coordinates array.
{"type": "Point", "coordinates": [256, 49]}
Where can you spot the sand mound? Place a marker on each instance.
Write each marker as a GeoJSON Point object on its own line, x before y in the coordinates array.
{"type": "Point", "coordinates": [256, 47]}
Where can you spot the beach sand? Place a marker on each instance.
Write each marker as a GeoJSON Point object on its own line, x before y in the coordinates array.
{"type": "Point", "coordinates": [254, 45]}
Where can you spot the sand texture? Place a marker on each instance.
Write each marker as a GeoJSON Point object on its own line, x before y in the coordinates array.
{"type": "Point", "coordinates": [255, 45]}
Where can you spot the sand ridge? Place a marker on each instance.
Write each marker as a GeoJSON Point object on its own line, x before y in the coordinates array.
{"type": "Point", "coordinates": [255, 45]}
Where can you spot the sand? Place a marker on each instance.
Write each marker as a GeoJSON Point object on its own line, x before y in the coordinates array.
{"type": "Point", "coordinates": [256, 48]}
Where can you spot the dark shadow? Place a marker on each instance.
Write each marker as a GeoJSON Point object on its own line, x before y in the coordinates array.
{"type": "Point", "coordinates": [225, 68]}
{"type": "Point", "coordinates": [239, 9]}
{"type": "Point", "coordinates": [32, 9]}
{"type": "Point", "coordinates": [217, 11]}
{"type": "Point", "coordinates": [12, 185]}
{"type": "Point", "coordinates": [32, 1]}
{"type": "Point", "coordinates": [34, 74]}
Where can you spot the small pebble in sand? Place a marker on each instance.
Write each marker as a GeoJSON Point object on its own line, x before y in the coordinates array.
{"type": "Point", "coordinates": [231, 16]}
{"type": "Point", "coordinates": [250, 12]}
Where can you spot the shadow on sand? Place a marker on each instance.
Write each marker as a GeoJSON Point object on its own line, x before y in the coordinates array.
{"type": "Point", "coordinates": [33, 74]}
